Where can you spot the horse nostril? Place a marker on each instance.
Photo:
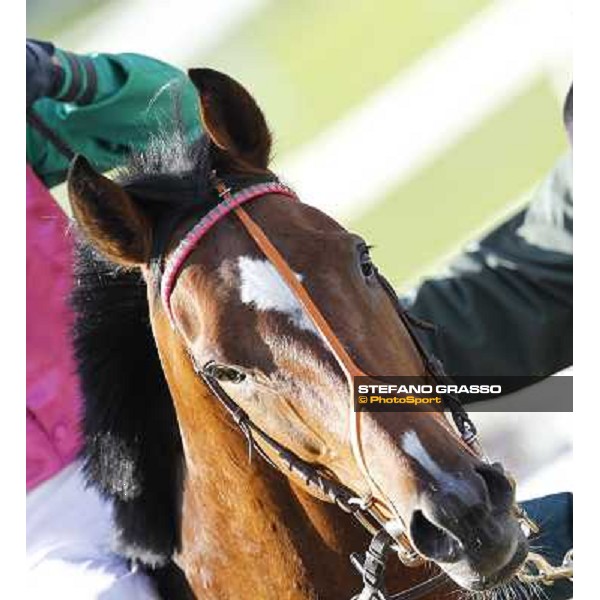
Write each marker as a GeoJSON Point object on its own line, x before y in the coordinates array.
{"type": "Point", "coordinates": [432, 541]}
{"type": "Point", "coordinates": [499, 487]}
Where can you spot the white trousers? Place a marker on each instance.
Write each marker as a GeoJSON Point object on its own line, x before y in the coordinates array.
{"type": "Point", "coordinates": [69, 532]}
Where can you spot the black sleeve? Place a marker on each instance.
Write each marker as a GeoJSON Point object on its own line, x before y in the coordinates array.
{"type": "Point", "coordinates": [505, 306]}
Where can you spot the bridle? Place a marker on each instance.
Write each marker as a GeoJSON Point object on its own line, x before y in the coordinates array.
{"type": "Point", "coordinates": [535, 570]}
{"type": "Point", "coordinates": [364, 509]}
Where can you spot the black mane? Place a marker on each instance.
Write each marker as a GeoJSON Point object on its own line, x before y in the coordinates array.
{"type": "Point", "coordinates": [132, 449]}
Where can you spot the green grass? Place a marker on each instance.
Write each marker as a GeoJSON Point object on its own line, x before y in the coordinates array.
{"type": "Point", "coordinates": [457, 195]}
{"type": "Point", "coordinates": [310, 61]}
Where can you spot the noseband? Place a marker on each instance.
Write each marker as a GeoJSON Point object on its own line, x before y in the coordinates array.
{"type": "Point", "coordinates": [366, 509]}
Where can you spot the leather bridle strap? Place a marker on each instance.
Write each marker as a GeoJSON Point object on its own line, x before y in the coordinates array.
{"type": "Point", "coordinates": [351, 370]}
{"type": "Point", "coordinates": [372, 569]}
{"type": "Point", "coordinates": [307, 472]}
{"type": "Point", "coordinates": [366, 510]}
{"type": "Point", "coordinates": [206, 223]}
{"type": "Point", "coordinates": [310, 476]}
{"type": "Point", "coordinates": [274, 256]}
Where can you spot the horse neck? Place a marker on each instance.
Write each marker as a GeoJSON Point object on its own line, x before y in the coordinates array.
{"type": "Point", "coordinates": [244, 526]}
{"type": "Point", "coordinates": [246, 530]}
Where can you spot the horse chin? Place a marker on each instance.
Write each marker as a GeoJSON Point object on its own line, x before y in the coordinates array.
{"type": "Point", "coordinates": [469, 577]}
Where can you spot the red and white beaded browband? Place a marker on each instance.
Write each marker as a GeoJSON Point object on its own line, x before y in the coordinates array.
{"type": "Point", "coordinates": [229, 202]}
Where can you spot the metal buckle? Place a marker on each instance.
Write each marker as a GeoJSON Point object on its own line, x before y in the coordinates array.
{"type": "Point", "coordinates": [363, 504]}
{"type": "Point", "coordinates": [225, 192]}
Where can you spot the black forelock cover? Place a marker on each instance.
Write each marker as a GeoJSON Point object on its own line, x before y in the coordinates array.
{"type": "Point", "coordinates": [132, 448]}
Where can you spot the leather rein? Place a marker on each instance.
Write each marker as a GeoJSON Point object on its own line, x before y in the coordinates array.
{"type": "Point", "coordinates": [366, 510]}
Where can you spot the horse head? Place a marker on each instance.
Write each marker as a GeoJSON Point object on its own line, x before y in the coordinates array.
{"type": "Point", "coordinates": [230, 310]}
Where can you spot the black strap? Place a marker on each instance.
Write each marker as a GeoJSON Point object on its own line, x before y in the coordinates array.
{"type": "Point", "coordinates": [372, 570]}
{"type": "Point", "coordinates": [461, 418]}
{"type": "Point", "coordinates": [373, 567]}
{"type": "Point", "coordinates": [309, 474]}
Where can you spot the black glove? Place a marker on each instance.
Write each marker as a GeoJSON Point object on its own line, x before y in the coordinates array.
{"type": "Point", "coordinates": [44, 77]}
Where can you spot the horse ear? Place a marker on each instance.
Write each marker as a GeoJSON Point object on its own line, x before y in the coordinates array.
{"type": "Point", "coordinates": [232, 119]}
{"type": "Point", "coordinates": [108, 216]}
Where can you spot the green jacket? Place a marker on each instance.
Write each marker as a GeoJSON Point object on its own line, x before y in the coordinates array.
{"type": "Point", "coordinates": [120, 100]}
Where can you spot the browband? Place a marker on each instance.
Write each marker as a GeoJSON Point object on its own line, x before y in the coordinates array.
{"type": "Point", "coordinates": [187, 245]}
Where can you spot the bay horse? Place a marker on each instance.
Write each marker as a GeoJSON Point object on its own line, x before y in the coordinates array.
{"type": "Point", "coordinates": [187, 317]}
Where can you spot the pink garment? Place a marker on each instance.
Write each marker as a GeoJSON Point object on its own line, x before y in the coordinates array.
{"type": "Point", "coordinates": [53, 397]}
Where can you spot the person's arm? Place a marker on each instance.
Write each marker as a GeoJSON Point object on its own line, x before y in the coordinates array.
{"type": "Point", "coordinates": [505, 306]}
{"type": "Point", "coordinates": [105, 105]}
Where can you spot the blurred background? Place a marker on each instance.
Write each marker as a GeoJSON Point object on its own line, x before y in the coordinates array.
{"type": "Point", "coordinates": [417, 123]}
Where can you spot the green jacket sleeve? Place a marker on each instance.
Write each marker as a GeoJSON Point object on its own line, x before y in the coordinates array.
{"type": "Point", "coordinates": [505, 306]}
{"type": "Point", "coordinates": [118, 102]}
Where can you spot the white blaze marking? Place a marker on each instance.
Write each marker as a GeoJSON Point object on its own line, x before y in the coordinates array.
{"type": "Point", "coordinates": [445, 480]}
{"type": "Point", "coordinates": [411, 444]}
{"type": "Point", "coordinates": [262, 287]}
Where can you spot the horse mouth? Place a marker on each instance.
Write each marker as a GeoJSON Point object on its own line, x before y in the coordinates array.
{"type": "Point", "coordinates": [475, 562]}
{"type": "Point", "coordinates": [468, 578]}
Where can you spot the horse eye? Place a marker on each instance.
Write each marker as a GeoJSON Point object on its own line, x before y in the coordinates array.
{"type": "Point", "coordinates": [223, 373]}
{"type": "Point", "coordinates": [366, 264]}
